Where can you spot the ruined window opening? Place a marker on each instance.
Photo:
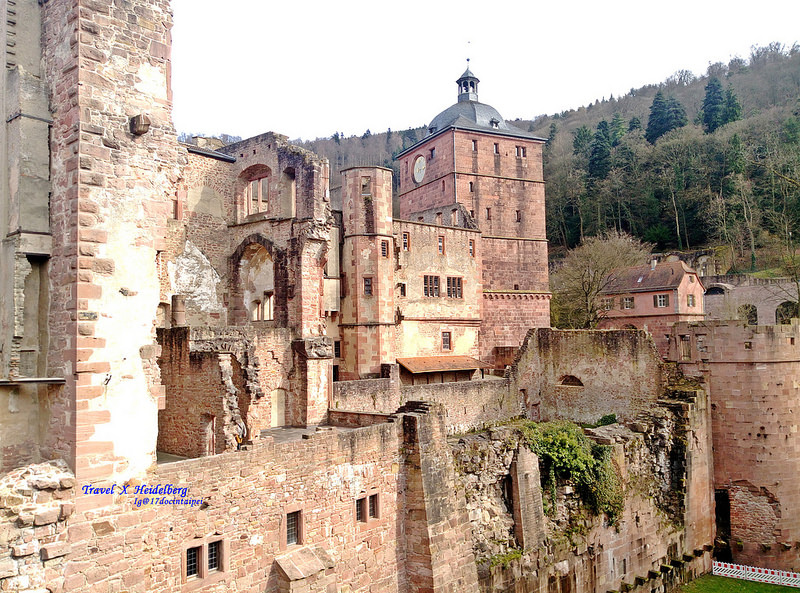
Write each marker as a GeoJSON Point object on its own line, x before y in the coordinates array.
{"type": "Point", "coordinates": [337, 348]}
{"type": "Point", "coordinates": [454, 217]}
{"type": "Point", "coordinates": [748, 345]}
{"type": "Point", "coordinates": [439, 217]}
{"type": "Point", "coordinates": [446, 344]}
{"type": "Point", "coordinates": [384, 248]}
{"type": "Point", "coordinates": [627, 303]}
{"type": "Point", "coordinates": [430, 286]}
{"type": "Point", "coordinates": [472, 248]}
{"type": "Point", "coordinates": [455, 288]}
{"type": "Point", "coordinates": [686, 348]}
{"type": "Point", "coordinates": [506, 486]}
{"type": "Point", "coordinates": [518, 216]}
{"type": "Point", "coordinates": [433, 153]}
{"type": "Point", "coordinates": [367, 286]}
{"type": "Point", "coordinates": [570, 380]}
{"type": "Point", "coordinates": [288, 193]}
{"type": "Point", "coordinates": [373, 506]}
{"type": "Point", "coordinates": [256, 311]}
{"type": "Point", "coordinates": [441, 245]}
{"type": "Point", "coordinates": [257, 194]}
{"type": "Point", "coordinates": [661, 300]}
{"type": "Point", "coordinates": [365, 186]}
{"type": "Point", "coordinates": [294, 533]}
{"type": "Point", "coordinates": [785, 312]}
{"type": "Point", "coordinates": [748, 314]}
{"type": "Point", "coordinates": [471, 189]}
{"type": "Point", "coordinates": [715, 290]}
{"type": "Point", "coordinates": [406, 241]}
{"type": "Point", "coordinates": [193, 562]}
{"type": "Point", "coordinates": [268, 306]}
{"type": "Point", "coordinates": [402, 290]}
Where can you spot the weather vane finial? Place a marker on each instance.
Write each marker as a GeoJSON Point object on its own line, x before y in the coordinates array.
{"type": "Point", "coordinates": [468, 44]}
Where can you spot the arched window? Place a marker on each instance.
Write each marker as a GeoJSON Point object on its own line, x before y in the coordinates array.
{"type": "Point", "coordinates": [748, 314]}
{"type": "Point", "coordinates": [715, 290]}
{"type": "Point", "coordinates": [785, 311]}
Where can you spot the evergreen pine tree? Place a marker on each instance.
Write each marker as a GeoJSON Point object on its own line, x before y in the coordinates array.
{"type": "Point", "coordinates": [713, 106]}
{"type": "Point", "coordinates": [600, 157]}
{"type": "Point", "coordinates": [732, 110]}
{"type": "Point", "coordinates": [656, 121]}
{"type": "Point", "coordinates": [634, 124]}
{"type": "Point", "coordinates": [617, 129]}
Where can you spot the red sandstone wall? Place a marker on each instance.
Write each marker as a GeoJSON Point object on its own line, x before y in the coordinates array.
{"type": "Point", "coordinates": [753, 373]}
{"type": "Point", "coordinates": [620, 371]}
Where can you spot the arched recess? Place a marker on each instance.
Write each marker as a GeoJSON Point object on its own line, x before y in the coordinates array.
{"type": "Point", "coordinates": [748, 313]}
{"type": "Point", "coordinates": [785, 311]}
{"type": "Point", "coordinates": [288, 193]}
{"type": "Point", "coordinates": [258, 282]}
{"type": "Point", "coordinates": [714, 290]}
{"type": "Point", "coordinates": [570, 380]}
{"type": "Point", "coordinates": [253, 189]}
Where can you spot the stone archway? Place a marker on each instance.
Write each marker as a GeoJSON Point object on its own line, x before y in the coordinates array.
{"type": "Point", "coordinates": [258, 282]}
{"type": "Point", "coordinates": [785, 312]}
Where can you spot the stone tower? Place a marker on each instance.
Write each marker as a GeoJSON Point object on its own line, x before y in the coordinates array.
{"type": "Point", "coordinates": [367, 318]}
{"type": "Point", "coordinates": [473, 161]}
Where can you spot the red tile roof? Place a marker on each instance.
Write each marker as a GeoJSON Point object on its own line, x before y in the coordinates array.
{"type": "Point", "coordinates": [436, 364]}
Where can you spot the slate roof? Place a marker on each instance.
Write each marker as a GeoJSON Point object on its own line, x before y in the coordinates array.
{"type": "Point", "coordinates": [665, 276]}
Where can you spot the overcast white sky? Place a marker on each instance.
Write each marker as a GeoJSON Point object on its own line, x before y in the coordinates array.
{"type": "Point", "coordinates": [309, 69]}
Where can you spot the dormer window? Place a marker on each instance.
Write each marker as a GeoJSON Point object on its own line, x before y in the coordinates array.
{"type": "Point", "coordinates": [431, 130]}
{"type": "Point", "coordinates": [494, 123]}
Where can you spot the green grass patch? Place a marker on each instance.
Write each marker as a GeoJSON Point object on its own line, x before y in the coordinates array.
{"type": "Point", "coordinates": [713, 584]}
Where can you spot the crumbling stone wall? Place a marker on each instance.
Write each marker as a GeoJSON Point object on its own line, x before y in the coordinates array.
{"type": "Point", "coordinates": [660, 541]}
{"type": "Point", "coordinates": [584, 375]}
{"type": "Point", "coordinates": [469, 405]}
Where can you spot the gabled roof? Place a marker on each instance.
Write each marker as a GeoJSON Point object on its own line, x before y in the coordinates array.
{"type": "Point", "coordinates": [665, 276]}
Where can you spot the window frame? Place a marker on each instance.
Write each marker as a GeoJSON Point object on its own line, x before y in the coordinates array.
{"type": "Point", "coordinates": [368, 286]}
{"type": "Point", "coordinates": [430, 286]}
{"type": "Point", "coordinates": [661, 301]}
{"type": "Point", "coordinates": [455, 287]}
{"type": "Point", "coordinates": [628, 303]}
{"type": "Point", "coordinates": [205, 574]}
{"type": "Point", "coordinates": [406, 241]}
{"type": "Point", "coordinates": [447, 341]}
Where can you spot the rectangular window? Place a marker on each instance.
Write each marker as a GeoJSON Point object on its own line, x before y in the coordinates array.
{"type": "Point", "coordinates": [441, 245]}
{"type": "Point", "coordinates": [433, 153]}
{"type": "Point", "coordinates": [454, 288]}
{"type": "Point", "coordinates": [430, 286]}
{"type": "Point", "coordinates": [293, 535]}
{"type": "Point", "coordinates": [521, 152]}
{"type": "Point", "coordinates": [214, 555]}
{"type": "Point", "coordinates": [488, 214]}
{"type": "Point", "coordinates": [268, 306]}
{"type": "Point", "coordinates": [193, 562]}
{"type": "Point", "coordinates": [384, 248]}
{"type": "Point", "coordinates": [518, 216]}
{"type": "Point", "coordinates": [607, 304]}
{"type": "Point", "coordinates": [373, 506]}
{"type": "Point", "coordinates": [403, 290]}
{"type": "Point", "coordinates": [496, 148]}
{"type": "Point", "coordinates": [337, 348]}
{"type": "Point", "coordinates": [366, 182]}
{"type": "Point", "coordinates": [661, 300]}
{"type": "Point", "coordinates": [361, 510]}
{"type": "Point", "coordinates": [367, 286]}
{"type": "Point", "coordinates": [627, 302]}
{"type": "Point", "coordinates": [472, 248]}
{"type": "Point", "coordinates": [474, 145]}
{"type": "Point", "coordinates": [405, 242]}
{"type": "Point", "coordinates": [690, 300]}
{"type": "Point", "coordinates": [471, 187]}
{"type": "Point", "coordinates": [446, 340]}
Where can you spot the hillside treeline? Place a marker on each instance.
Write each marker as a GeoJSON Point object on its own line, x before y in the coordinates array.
{"type": "Point", "coordinates": [728, 172]}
